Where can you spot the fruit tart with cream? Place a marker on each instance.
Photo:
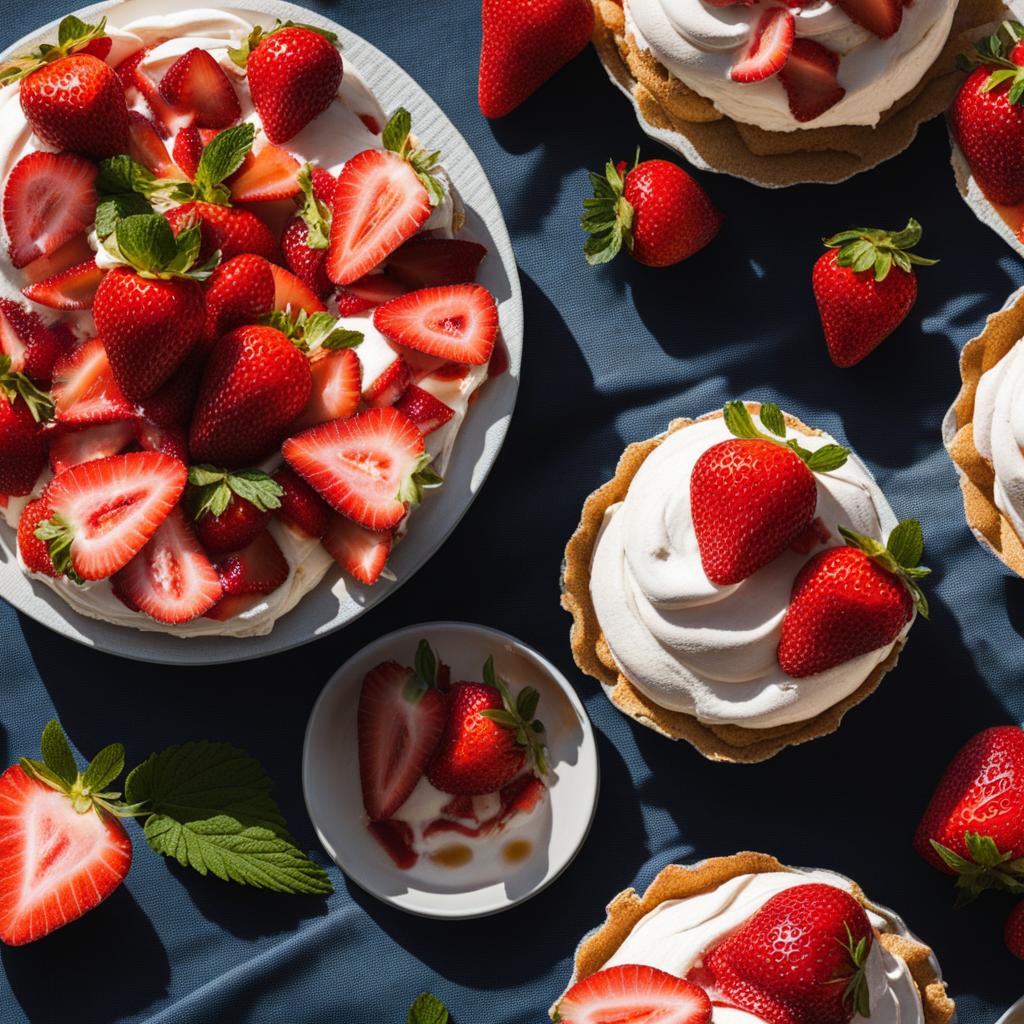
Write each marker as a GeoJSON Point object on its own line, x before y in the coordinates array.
{"type": "Point", "coordinates": [741, 584]}
{"type": "Point", "coordinates": [239, 323]}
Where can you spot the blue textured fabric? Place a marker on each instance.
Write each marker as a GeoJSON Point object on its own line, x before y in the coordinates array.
{"type": "Point", "coordinates": [613, 355]}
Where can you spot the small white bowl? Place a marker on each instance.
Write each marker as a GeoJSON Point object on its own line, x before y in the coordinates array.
{"type": "Point", "coordinates": [330, 778]}
{"type": "Point", "coordinates": [1014, 1015]}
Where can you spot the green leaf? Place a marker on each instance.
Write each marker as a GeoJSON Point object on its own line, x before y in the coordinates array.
{"type": "Point", "coordinates": [121, 174]}
{"type": "Point", "coordinates": [950, 858]}
{"type": "Point", "coordinates": [224, 155]}
{"type": "Point", "coordinates": [502, 717]}
{"type": "Point", "coordinates": [828, 458]}
{"type": "Point", "coordinates": [427, 1009]}
{"type": "Point", "coordinates": [772, 418]}
{"type": "Point", "coordinates": [739, 422]}
{"type": "Point", "coordinates": [315, 214]}
{"type": "Point", "coordinates": [57, 755]}
{"type": "Point", "coordinates": [211, 810]}
{"type": "Point", "coordinates": [425, 663]}
{"type": "Point", "coordinates": [114, 208]}
{"type": "Point", "coordinates": [106, 766]}
{"type": "Point", "coordinates": [906, 543]}
{"type": "Point", "coordinates": [341, 337]}
{"type": "Point", "coordinates": [396, 131]}
{"type": "Point", "coordinates": [526, 703]}
{"type": "Point", "coordinates": [57, 534]}
{"type": "Point", "coordinates": [146, 241]}
{"type": "Point", "coordinates": [256, 487]}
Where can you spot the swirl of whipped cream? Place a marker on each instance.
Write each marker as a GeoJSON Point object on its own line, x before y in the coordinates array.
{"type": "Point", "coordinates": [710, 651]}
{"type": "Point", "coordinates": [675, 935]}
{"type": "Point", "coordinates": [699, 44]}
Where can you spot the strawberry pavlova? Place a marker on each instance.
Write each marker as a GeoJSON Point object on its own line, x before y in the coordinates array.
{"type": "Point", "coordinates": [238, 323]}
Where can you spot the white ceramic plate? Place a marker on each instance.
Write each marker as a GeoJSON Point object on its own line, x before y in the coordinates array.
{"type": "Point", "coordinates": [334, 603]}
{"type": "Point", "coordinates": [330, 778]}
{"type": "Point", "coordinates": [1014, 1015]}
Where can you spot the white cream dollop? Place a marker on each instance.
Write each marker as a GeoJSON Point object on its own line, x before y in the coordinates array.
{"type": "Point", "coordinates": [710, 651]}
{"type": "Point", "coordinates": [699, 44]}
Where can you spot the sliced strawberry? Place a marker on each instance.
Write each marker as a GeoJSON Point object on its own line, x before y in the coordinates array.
{"type": "Point", "coordinates": [74, 288]}
{"type": "Point", "coordinates": [146, 147]}
{"type": "Point", "coordinates": [189, 144]}
{"type": "Point", "coordinates": [634, 995]}
{"type": "Point", "coordinates": [809, 79]}
{"type": "Point", "coordinates": [375, 289]}
{"type": "Point", "coordinates": [105, 511]}
{"type": "Point", "coordinates": [75, 250]}
{"type": "Point", "coordinates": [291, 293]}
{"type": "Point", "coordinates": [32, 550]}
{"type": "Point", "coordinates": [361, 553]}
{"type": "Point", "coordinates": [49, 198]}
{"type": "Point", "coordinates": [420, 364]}
{"type": "Point", "coordinates": [521, 796]}
{"type": "Point", "coordinates": [397, 840]}
{"type": "Point", "coordinates": [337, 386]}
{"type": "Point", "coordinates": [33, 346]}
{"type": "Point", "coordinates": [349, 304]}
{"type": "Point", "coordinates": [880, 17]}
{"type": "Point", "coordinates": [272, 173]}
{"type": "Point", "coordinates": [170, 579]}
{"type": "Point", "coordinates": [379, 203]}
{"type": "Point", "coordinates": [168, 119]}
{"type": "Point", "coordinates": [259, 568]}
{"type": "Point", "coordinates": [232, 605]}
{"type": "Point", "coordinates": [454, 371]}
{"type": "Point", "coordinates": [456, 323]}
{"type": "Point", "coordinates": [368, 467]}
{"type": "Point", "coordinates": [152, 437]}
{"type": "Point", "coordinates": [301, 507]}
{"type": "Point", "coordinates": [460, 807]}
{"type": "Point", "coordinates": [196, 82]}
{"type": "Point", "coordinates": [430, 262]}
{"type": "Point", "coordinates": [769, 47]}
{"type": "Point", "coordinates": [389, 387]}
{"type": "Point", "coordinates": [84, 389]}
{"type": "Point", "coordinates": [72, 447]}
{"type": "Point", "coordinates": [426, 411]}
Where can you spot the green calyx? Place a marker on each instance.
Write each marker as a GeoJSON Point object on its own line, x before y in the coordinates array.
{"type": "Point", "coordinates": [856, 994]}
{"type": "Point", "coordinates": [741, 424]}
{"type": "Point", "coordinates": [900, 556]}
{"type": "Point", "coordinates": [240, 54]}
{"type": "Point", "coordinates": [312, 331]}
{"type": "Point", "coordinates": [987, 867]}
{"type": "Point", "coordinates": [211, 490]}
{"type": "Point", "coordinates": [424, 674]}
{"type": "Point", "coordinates": [316, 215]}
{"type": "Point", "coordinates": [422, 478]}
{"type": "Point", "coordinates": [608, 216]}
{"type": "Point", "coordinates": [518, 715]}
{"type": "Point", "coordinates": [146, 243]}
{"type": "Point", "coordinates": [57, 534]}
{"type": "Point", "coordinates": [397, 138]}
{"type": "Point", "coordinates": [72, 35]}
{"type": "Point", "coordinates": [864, 249]}
{"type": "Point", "coordinates": [15, 385]}
{"type": "Point", "coordinates": [994, 51]}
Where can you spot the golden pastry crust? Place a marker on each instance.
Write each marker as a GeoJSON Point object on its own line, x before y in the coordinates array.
{"type": "Point", "coordinates": [677, 882]}
{"type": "Point", "coordinates": [994, 531]}
{"type": "Point", "coordinates": [782, 158]}
{"type": "Point", "coordinates": [733, 743]}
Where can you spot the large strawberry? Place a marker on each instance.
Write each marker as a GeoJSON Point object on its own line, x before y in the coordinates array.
{"type": "Point", "coordinates": [636, 994]}
{"type": "Point", "coordinates": [865, 287]}
{"type": "Point", "coordinates": [71, 99]}
{"type": "Point", "coordinates": [524, 45]}
{"type": "Point", "coordinates": [23, 410]}
{"type": "Point", "coordinates": [974, 824]}
{"type": "Point", "coordinates": [851, 600]}
{"type": "Point", "coordinates": [752, 496]}
{"type": "Point", "coordinates": [294, 72]}
{"type": "Point", "coordinates": [655, 209]}
{"type": "Point", "coordinates": [225, 229]}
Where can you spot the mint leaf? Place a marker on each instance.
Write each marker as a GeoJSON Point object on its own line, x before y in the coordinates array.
{"type": "Point", "coordinates": [57, 755]}
{"type": "Point", "coordinates": [106, 766]}
{"type": "Point", "coordinates": [146, 241]}
{"type": "Point", "coordinates": [316, 215]}
{"type": "Point", "coordinates": [224, 155]}
{"type": "Point", "coordinates": [211, 810]}
{"type": "Point", "coordinates": [426, 663]}
{"type": "Point", "coordinates": [115, 208]}
{"type": "Point", "coordinates": [773, 420]}
{"type": "Point", "coordinates": [828, 458]}
{"type": "Point", "coordinates": [256, 487]}
{"type": "Point", "coordinates": [739, 422]}
{"type": "Point", "coordinates": [212, 488]}
{"type": "Point", "coordinates": [427, 1009]}
{"type": "Point", "coordinates": [396, 131]}
{"type": "Point", "coordinates": [120, 174]}
{"type": "Point", "coordinates": [906, 543]}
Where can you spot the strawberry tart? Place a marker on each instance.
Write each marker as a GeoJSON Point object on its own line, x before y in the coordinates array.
{"type": "Point", "coordinates": [747, 940]}
{"type": "Point", "coordinates": [741, 583]}
{"type": "Point", "coordinates": [785, 93]}
{"type": "Point", "coordinates": [239, 323]}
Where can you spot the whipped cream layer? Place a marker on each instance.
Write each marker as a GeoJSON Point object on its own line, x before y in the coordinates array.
{"type": "Point", "coordinates": [706, 650]}
{"type": "Point", "coordinates": [331, 139]}
{"type": "Point", "coordinates": [675, 936]}
{"type": "Point", "coordinates": [699, 44]}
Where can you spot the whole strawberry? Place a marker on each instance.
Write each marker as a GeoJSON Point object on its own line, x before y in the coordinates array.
{"type": "Point", "coordinates": [752, 496]}
{"type": "Point", "coordinates": [71, 99]}
{"type": "Point", "coordinates": [307, 235]}
{"type": "Point", "coordinates": [23, 410]}
{"type": "Point", "coordinates": [230, 509]}
{"type": "Point", "coordinates": [865, 287]}
{"type": "Point", "coordinates": [851, 600]}
{"type": "Point", "coordinates": [973, 826]}
{"type": "Point", "coordinates": [488, 737]}
{"type": "Point", "coordinates": [655, 209]}
{"type": "Point", "coordinates": [294, 72]}
{"type": "Point", "coordinates": [524, 45]}
{"type": "Point", "coordinates": [239, 291]}
{"type": "Point", "coordinates": [1013, 931]}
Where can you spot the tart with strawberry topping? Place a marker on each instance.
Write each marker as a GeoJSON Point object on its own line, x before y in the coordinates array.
{"type": "Point", "coordinates": [741, 583]}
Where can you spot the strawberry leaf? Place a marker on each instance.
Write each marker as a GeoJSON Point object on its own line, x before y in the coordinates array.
{"type": "Point", "coordinates": [772, 418]}
{"type": "Point", "coordinates": [210, 489]}
{"type": "Point", "coordinates": [104, 768]}
{"type": "Point", "coordinates": [72, 35]}
{"type": "Point", "coordinates": [425, 663]}
{"type": "Point", "coordinates": [906, 543]}
{"type": "Point", "coordinates": [607, 217]}
{"type": "Point", "coordinates": [427, 1009]}
{"type": "Point", "coordinates": [57, 755]}
{"type": "Point", "coordinates": [314, 213]}
{"type": "Point", "coordinates": [872, 249]}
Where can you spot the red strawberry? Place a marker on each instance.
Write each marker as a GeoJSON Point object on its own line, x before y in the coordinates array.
{"type": "Point", "coordinates": [307, 234]}
{"type": "Point", "coordinates": [291, 293]}
{"type": "Point", "coordinates": [880, 17]}
{"type": "Point", "coordinates": [301, 506]}
{"type": "Point", "coordinates": [426, 411]}
{"type": "Point", "coordinates": [865, 287]}
{"type": "Point", "coordinates": [230, 509]}
{"type": "Point", "coordinates": [362, 553]}
{"type": "Point", "coordinates": [809, 79]}
{"type": "Point", "coordinates": [430, 262]}
{"type": "Point", "coordinates": [800, 959]}
{"type": "Point", "coordinates": [168, 118]}
{"type": "Point", "coordinates": [48, 199]}
{"type": "Point", "coordinates": [32, 550]}
{"type": "Point", "coordinates": [73, 446]}
{"type": "Point", "coordinates": [974, 824]}
{"type": "Point", "coordinates": [195, 82]}
{"type": "Point", "coordinates": [294, 73]}
{"type": "Point", "coordinates": [325, 184]}
{"type": "Point", "coordinates": [232, 231]}
{"type": "Point", "coordinates": [23, 409]}
{"type": "Point", "coordinates": [400, 720]}
{"type": "Point", "coordinates": [659, 212]}
{"type": "Point", "coordinates": [188, 148]}
{"type": "Point", "coordinates": [170, 579]}
{"type": "Point", "coordinates": [33, 347]}
{"type": "Point", "coordinates": [74, 250]}
{"type": "Point", "coordinates": [1013, 931]}
{"type": "Point", "coordinates": [369, 291]}
{"type": "Point", "coordinates": [231, 606]}
{"type": "Point", "coordinates": [272, 173]}
{"type": "Point", "coordinates": [99, 47]}
{"type": "Point", "coordinates": [335, 392]}
{"type": "Point", "coordinates": [259, 568]}
{"type": "Point", "coordinates": [238, 292]}
{"type": "Point", "coordinates": [370, 467]}
{"type": "Point", "coordinates": [456, 323]}
{"type": "Point", "coordinates": [146, 147]}
{"type": "Point", "coordinates": [74, 288]}
{"type": "Point", "coordinates": [769, 47]}
{"type": "Point", "coordinates": [635, 994]}
{"type": "Point", "coordinates": [852, 600]}
{"type": "Point", "coordinates": [105, 511]}
{"type": "Point", "coordinates": [255, 383]}
{"type": "Point", "coordinates": [152, 437]}
{"type": "Point", "coordinates": [84, 388]}
{"type": "Point", "coordinates": [524, 45]}
{"type": "Point", "coordinates": [171, 406]}
{"type": "Point", "coordinates": [389, 387]}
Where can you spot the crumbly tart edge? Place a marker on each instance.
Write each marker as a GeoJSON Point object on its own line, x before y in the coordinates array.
{"type": "Point", "coordinates": [736, 744]}
{"type": "Point", "coordinates": [678, 881]}
{"type": "Point", "coordinates": [778, 159]}
{"type": "Point", "coordinates": [977, 478]}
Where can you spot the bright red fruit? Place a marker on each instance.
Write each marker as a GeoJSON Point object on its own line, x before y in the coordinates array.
{"type": "Point", "coordinates": [769, 47]}
{"type": "Point", "coordinates": [634, 994]}
{"type": "Point", "coordinates": [197, 83]}
{"type": "Point", "coordinates": [32, 550]}
{"type": "Point", "coordinates": [362, 553]}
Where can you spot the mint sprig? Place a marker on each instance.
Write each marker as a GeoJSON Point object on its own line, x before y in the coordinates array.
{"type": "Point", "coordinates": [987, 867]}
{"type": "Point", "coordinates": [211, 489]}
{"type": "Point", "coordinates": [864, 249]}
{"type": "Point", "coordinates": [518, 715]}
{"type": "Point", "coordinates": [397, 137]}
{"type": "Point", "coordinates": [427, 1009]}
{"type": "Point", "coordinates": [147, 244]}
{"type": "Point", "coordinates": [317, 215]}
{"type": "Point", "coordinates": [900, 556]}
{"type": "Point", "coordinates": [740, 423]}
{"type": "Point", "coordinates": [312, 331]}
{"type": "Point", "coordinates": [72, 35]}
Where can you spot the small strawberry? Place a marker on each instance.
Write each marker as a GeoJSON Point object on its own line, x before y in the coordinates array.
{"type": "Point", "coordinates": [810, 79]}
{"type": "Point", "coordinates": [880, 17]}
{"type": "Point", "coordinates": [33, 552]}
{"type": "Point", "coordinates": [259, 568]}
{"type": "Point", "coordinates": [188, 148]}
{"type": "Point", "coordinates": [655, 209]}
{"type": "Point", "coordinates": [23, 410]}
{"type": "Point", "coordinates": [430, 262]}
{"type": "Point", "coordinates": [426, 411]}
{"type": "Point", "coordinates": [524, 45]}
{"type": "Point", "coordinates": [852, 600]}
{"type": "Point", "coordinates": [84, 388]}
{"type": "Point", "coordinates": [371, 290]}
{"type": "Point", "coordinates": [238, 292]}
{"type": "Point", "coordinates": [196, 82]}
{"type": "Point", "coordinates": [167, 118]}
{"type": "Point", "coordinates": [230, 509]}
{"type": "Point", "coordinates": [72, 289]}
{"type": "Point", "coordinates": [300, 506]}
{"type": "Point", "coordinates": [389, 386]}
{"type": "Point", "coordinates": [362, 553]}
{"type": "Point", "coordinates": [769, 47]}
{"type": "Point", "coordinates": [489, 737]}
{"type": "Point", "coordinates": [1013, 931]}
{"type": "Point", "coordinates": [33, 347]}
{"type": "Point", "coordinates": [307, 235]}
{"type": "Point", "coordinates": [751, 497]}
{"type": "Point", "coordinates": [865, 287]}
{"type": "Point", "coordinates": [634, 993]}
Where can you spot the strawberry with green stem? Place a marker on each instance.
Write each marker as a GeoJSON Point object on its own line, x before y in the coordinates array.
{"type": "Point", "coordinates": [230, 508]}
{"type": "Point", "coordinates": [23, 411]}
{"type": "Point", "coordinates": [307, 235]}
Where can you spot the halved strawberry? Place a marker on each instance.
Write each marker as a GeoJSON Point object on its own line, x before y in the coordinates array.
{"type": "Point", "coordinates": [73, 251]}
{"type": "Point", "coordinates": [301, 507]}
{"type": "Point", "coordinates": [196, 82]}
{"type": "Point", "coordinates": [72, 447]}
{"type": "Point", "coordinates": [49, 198]}
{"type": "Point", "coordinates": [880, 17]}
{"type": "Point", "coordinates": [379, 203]}
{"type": "Point", "coordinates": [426, 411]}
{"type": "Point", "coordinates": [84, 389]}
{"type": "Point", "coordinates": [637, 995]}
{"type": "Point", "coordinates": [33, 346]}
{"type": "Point", "coordinates": [769, 47]}
{"type": "Point", "coordinates": [809, 79]}
{"type": "Point", "coordinates": [188, 148]}
{"type": "Point", "coordinates": [146, 147]}
{"type": "Point", "coordinates": [259, 568]}
{"type": "Point", "coordinates": [389, 387]}
{"type": "Point", "coordinates": [337, 385]}
{"type": "Point", "coordinates": [170, 579]}
{"type": "Point", "coordinates": [272, 173]}
{"type": "Point", "coordinates": [369, 467]}
{"type": "Point", "coordinates": [168, 118]}
{"type": "Point", "coordinates": [430, 262]}
{"type": "Point", "coordinates": [374, 289]}
{"type": "Point", "coordinates": [32, 550]}
{"type": "Point", "coordinates": [457, 323]}
{"type": "Point", "coordinates": [396, 838]}
{"type": "Point", "coordinates": [290, 292]}
{"type": "Point", "coordinates": [230, 606]}
{"type": "Point", "coordinates": [362, 553]}
{"type": "Point", "coordinates": [74, 288]}
{"type": "Point", "coordinates": [105, 511]}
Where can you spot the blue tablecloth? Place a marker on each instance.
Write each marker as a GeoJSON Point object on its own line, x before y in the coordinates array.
{"type": "Point", "coordinates": [613, 354]}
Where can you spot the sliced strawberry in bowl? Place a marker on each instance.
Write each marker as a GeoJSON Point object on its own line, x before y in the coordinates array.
{"type": "Point", "coordinates": [426, 411]}
{"type": "Point", "coordinates": [71, 289]}
{"type": "Point", "coordinates": [196, 82]}
{"type": "Point", "coordinates": [74, 251]}
{"type": "Point", "coordinates": [880, 17]}
{"type": "Point", "coordinates": [430, 262]}
{"type": "Point", "coordinates": [769, 47]}
{"type": "Point", "coordinates": [147, 147]}
{"type": "Point", "coordinates": [84, 388]}
{"type": "Point", "coordinates": [33, 346]}
{"type": "Point", "coordinates": [188, 147]}
{"type": "Point", "coordinates": [72, 447]}
{"type": "Point", "coordinates": [272, 173]}
{"type": "Point", "coordinates": [259, 568]}
{"type": "Point", "coordinates": [290, 293]}
{"type": "Point", "coordinates": [230, 606]}
{"type": "Point", "coordinates": [635, 994]}
{"type": "Point", "coordinates": [810, 81]}
{"type": "Point", "coordinates": [362, 553]}
{"type": "Point", "coordinates": [389, 386]}
{"type": "Point", "coordinates": [301, 507]}
{"type": "Point", "coordinates": [336, 391]}
{"type": "Point", "coordinates": [375, 289]}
